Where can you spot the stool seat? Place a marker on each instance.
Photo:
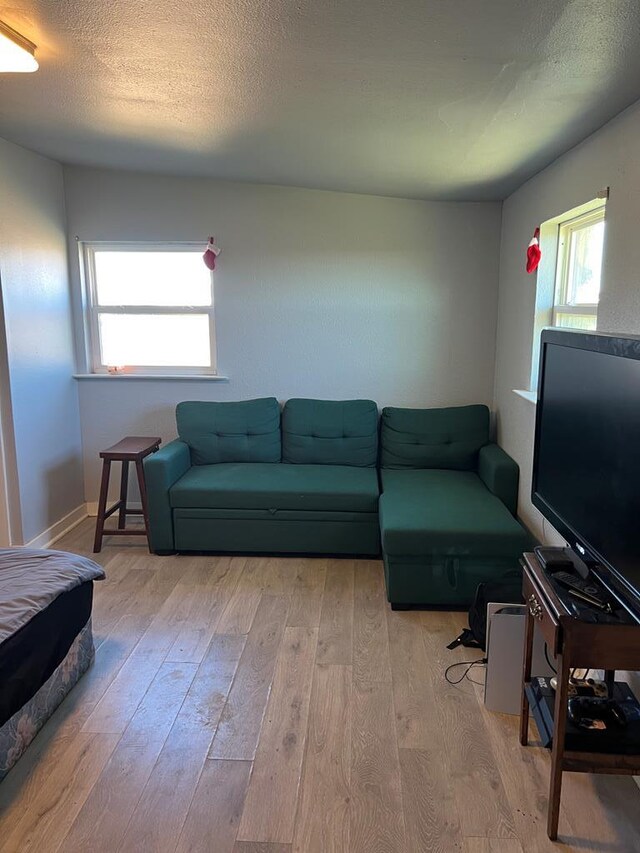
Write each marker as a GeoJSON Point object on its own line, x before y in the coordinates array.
{"type": "Point", "coordinates": [132, 448]}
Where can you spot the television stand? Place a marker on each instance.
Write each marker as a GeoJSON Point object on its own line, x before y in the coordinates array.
{"type": "Point", "coordinates": [576, 644]}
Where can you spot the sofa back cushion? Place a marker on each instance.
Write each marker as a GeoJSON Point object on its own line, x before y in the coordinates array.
{"type": "Point", "coordinates": [434, 438]}
{"type": "Point", "coordinates": [330, 432]}
{"type": "Point", "coordinates": [248, 431]}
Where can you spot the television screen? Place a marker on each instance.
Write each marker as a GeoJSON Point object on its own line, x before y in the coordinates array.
{"type": "Point", "coordinates": [586, 477]}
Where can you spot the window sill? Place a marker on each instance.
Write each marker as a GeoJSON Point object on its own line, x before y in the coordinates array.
{"type": "Point", "coordinates": [154, 377]}
{"type": "Point", "coordinates": [531, 396]}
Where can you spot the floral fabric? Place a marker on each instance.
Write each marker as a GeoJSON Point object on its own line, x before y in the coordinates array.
{"type": "Point", "coordinates": [18, 732]}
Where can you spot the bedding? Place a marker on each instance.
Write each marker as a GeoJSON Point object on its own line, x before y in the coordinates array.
{"type": "Point", "coordinates": [18, 732]}
{"type": "Point", "coordinates": [31, 579]}
{"type": "Point", "coordinates": [46, 642]}
{"type": "Point", "coordinates": [29, 657]}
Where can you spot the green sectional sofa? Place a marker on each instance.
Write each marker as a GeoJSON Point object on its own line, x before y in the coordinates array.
{"type": "Point", "coordinates": [247, 477]}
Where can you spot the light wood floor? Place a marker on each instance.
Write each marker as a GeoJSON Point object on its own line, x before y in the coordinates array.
{"type": "Point", "coordinates": [277, 705]}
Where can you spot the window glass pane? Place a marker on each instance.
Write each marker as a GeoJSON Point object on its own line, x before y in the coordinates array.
{"type": "Point", "coordinates": [576, 321]}
{"type": "Point", "coordinates": [151, 278]}
{"type": "Point", "coordinates": [585, 264]}
{"type": "Point", "coordinates": [155, 340]}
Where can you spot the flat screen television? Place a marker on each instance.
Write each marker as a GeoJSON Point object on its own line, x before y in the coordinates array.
{"type": "Point", "coordinates": [586, 467]}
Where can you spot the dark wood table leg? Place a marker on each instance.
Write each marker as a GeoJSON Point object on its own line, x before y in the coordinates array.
{"type": "Point", "coordinates": [557, 752]}
{"type": "Point", "coordinates": [124, 487]}
{"type": "Point", "coordinates": [143, 497]}
{"type": "Point", "coordinates": [102, 505]}
{"type": "Point", "coordinates": [609, 678]}
{"type": "Point", "coordinates": [526, 677]}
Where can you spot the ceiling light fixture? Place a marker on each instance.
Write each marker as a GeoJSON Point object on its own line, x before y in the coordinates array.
{"type": "Point", "coordinates": [17, 53]}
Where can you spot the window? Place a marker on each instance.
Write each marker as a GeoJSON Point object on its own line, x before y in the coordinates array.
{"type": "Point", "coordinates": [578, 270]}
{"type": "Point", "coordinates": [150, 308]}
{"type": "Point", "coordinates": [568, 278]}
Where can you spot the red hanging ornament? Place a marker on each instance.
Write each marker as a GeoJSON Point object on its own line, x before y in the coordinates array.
{"type": "Point", "coordinates": [211, 254]}
{"type": "Point", "coordinates": [533, 252]}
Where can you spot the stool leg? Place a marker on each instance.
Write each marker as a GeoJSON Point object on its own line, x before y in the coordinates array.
{"type": "Point", "coordinates": [143, 497]}
{"type": "Point", "coordinates": [102, 505]}
{"type": "Point", "coordinates": [124, 488]}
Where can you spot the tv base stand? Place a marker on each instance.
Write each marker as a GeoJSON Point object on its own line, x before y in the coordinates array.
{"type": "Point", "coordinates": [575, 644]}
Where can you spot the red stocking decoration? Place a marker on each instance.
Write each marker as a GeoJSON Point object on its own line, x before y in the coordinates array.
{"type": "Point", "coordinates": [533, 252]}
{"type": "Point", "coordinates": [211, 254]}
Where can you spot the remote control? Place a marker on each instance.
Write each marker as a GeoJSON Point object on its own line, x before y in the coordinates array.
{"type": "Point", "coordinates": [583, 590]}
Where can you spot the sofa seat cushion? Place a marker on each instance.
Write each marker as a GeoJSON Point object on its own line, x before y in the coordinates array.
{"type": "Point", "coordinates": [232, 485]}
{"type": "Point", "coordinates": [445, 512]}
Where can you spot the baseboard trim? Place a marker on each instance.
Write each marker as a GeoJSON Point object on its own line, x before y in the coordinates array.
{"type": "Point", "coordinates": [57, 530]}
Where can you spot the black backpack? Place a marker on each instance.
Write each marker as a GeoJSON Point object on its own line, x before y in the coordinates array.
{"type": "Point", "coordinates": [507, 590]}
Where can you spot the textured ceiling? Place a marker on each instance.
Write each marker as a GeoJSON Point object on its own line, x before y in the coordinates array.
{"type": "Point", "coordinates": [454, 99]}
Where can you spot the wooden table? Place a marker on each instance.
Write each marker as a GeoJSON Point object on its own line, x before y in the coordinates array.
{"type": "Point", "coordinates": [576, 644]}
{"type": "Point", "coordinates": [133, 448]}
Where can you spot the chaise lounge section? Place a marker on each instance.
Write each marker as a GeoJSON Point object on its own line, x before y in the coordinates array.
{"type": "Point", "coordinates": [447, 509]}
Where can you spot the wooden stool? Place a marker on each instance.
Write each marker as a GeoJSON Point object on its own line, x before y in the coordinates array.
{"type": "Point", "coordinates": [133, 448]}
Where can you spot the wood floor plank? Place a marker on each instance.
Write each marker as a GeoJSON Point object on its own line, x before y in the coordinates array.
{"type": "Point", "coordinates": [221, 578]}
{"type": "Point", "coordinates": [493, 845]}
{"type": "Point", "coordinates": [277, 576]}
{"type": "Point", "coordinates": [159, 815]}
{"type": "Point", "coordinates": [525, 775]}
{"type": "Point", "coordinates": [414, 695]}
{"type": "Point", "coordinates": [239, 728]}
{"type": "Point", "coordinates": [260, 847]}
{"type": "Point", "coordinates": [477, 785]}
{"type": "Point", "coordinates": [377, 822]}
{"type": "Point", "coordinates": [322, 822]}
{"type": "Point", "coordinates": [55, 806]}
{"type": "Point", "coordinates": [115, 709]}
{"type": "Point", "coordinates": [123, 779]}
{"type": "Point", "coordinates": [370, 639]}
{"type": "Point", "coordinates": [270, 805]}
{"type": "Point", "coordinates": [307, 589]}
{"type": "Point", "coordinates": [430, 810]}
{"type": "Point", "coordinates": [335, 637]}
{"type": "Point", "coordinates": [239, 613]}
{"type": "Point", "coordinates": [175, 611]}
{"type": "Point", "coordinates": [215, 810]}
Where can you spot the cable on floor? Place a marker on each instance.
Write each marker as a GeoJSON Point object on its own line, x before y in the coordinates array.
{"type": "Point", "coordinates": [469, 664]}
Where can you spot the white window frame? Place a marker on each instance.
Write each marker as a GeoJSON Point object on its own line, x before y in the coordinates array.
{"type": "Point", "coordinates": [93, 310]}
{"type": "Point", "coordinates": [566, 230]}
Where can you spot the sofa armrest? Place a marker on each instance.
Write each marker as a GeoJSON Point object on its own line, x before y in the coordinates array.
{"type": "Point", "coordinates": [161, 470]}
{"type": "Point", "coordinates": [500, 474]}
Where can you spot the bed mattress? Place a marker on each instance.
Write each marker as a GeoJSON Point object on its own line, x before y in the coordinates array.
{"type": "Point", "coordinates": [30, 655]}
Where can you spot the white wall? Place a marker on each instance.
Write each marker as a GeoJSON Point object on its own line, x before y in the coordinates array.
{"type": "Point", "coordinates": [607, 158]}
{"type": "Point", "coordinates": [318, 294]}
{"type": "Point", "coordinates": [40, 416]}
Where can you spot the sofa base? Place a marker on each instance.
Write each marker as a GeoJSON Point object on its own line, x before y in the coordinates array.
{"type": "Point", "coordinates": [302, 534]}
{"type": "Point", "coordinates": [442, 581]}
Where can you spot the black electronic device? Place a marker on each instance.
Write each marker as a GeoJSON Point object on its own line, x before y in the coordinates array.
{"type": "Point", "coordinates": [583, 590]}
{"type": "Point", "coordinates": [624, 740]}
{"type": "Point", "coordinates": [553, 559]}
{"type": "Point", "coordinates": [586, 470]}
{"type": "Point", "coordinates": [595, 713]}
